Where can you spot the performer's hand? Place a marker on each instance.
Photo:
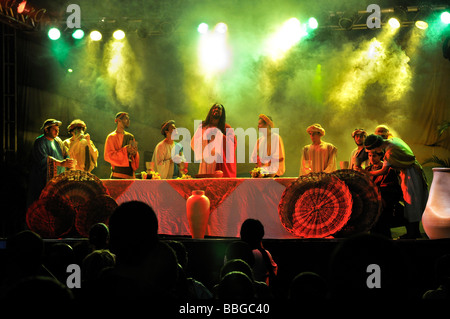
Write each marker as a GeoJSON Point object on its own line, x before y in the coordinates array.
{"type": "Point", "coordinates": [87, 137]}
{"type": "Point", "coordinates": [68, 163]}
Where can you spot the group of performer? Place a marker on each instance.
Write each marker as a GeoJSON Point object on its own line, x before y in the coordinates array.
{"type": "Point", "coordinates": [387, 159]}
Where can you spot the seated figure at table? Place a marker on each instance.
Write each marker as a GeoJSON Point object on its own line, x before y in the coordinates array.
{"type": "Point", "coordinates": [168, 155]}
{"type": "Point", "coordinates": [268, 152]}
{"type": "Point", "coordinates": [80, 147]}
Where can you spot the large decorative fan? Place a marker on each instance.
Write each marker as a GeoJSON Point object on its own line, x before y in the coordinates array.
{"type": "Point", "coordinates": [315, 206]}
{"type": "Point", "coordinates": [366, 202]}
{"type": "Point", "coordinates": [76, 186]}
{"type": "Point", "coordinates": [51, 217]}
{"type": "Point", "coordinates": [79, 197]}
{"type": "Point", "coordinates": [96, 210]}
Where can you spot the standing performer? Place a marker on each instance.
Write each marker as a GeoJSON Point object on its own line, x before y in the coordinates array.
{"type": "Point", "coordinates": [216, 138]}
{"type": "Point", "coordinates": [359, 157]}
{"type": "Point", "coordinates": [413, 181]}
{"type": "Point", "coordinates": [80, 146]}
{"type": "Point", "coordinates": [319, 156]}
{"type": "Point", "coordinates": [168, 165]}
{"type": "Point", "coordinates": [268, 152]}
{"type": "Point", "coordinates": [48, 159]}
{"type": "Point", "coordinates": [121, 149]}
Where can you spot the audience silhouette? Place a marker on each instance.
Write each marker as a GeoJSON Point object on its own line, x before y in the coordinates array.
{"type": "Point", "coordinates": [126, 262]}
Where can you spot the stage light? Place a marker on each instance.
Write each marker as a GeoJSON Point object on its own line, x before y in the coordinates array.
{"type": "Point", "coordinates": [312, 23]}
{"type": "Point", "coordinates": [445, 17]}
{"type": "Point", "coordinates": [78, 34]}
{"type": "Point", "coordinates": [421, 24]}
{"type": "Point", "coordinates": [95, 36]}
{"type": "Point", "coordinates": [21, 7]}
{"type": "Point", "coordinates": [214, 54]}
{"type": "Point", "coordinates": [221, 28]}
{"type": "Point", "coordinates": [119, 34]}
{"type": "Point", "coordinates": [290, 33]}
{"type": "Point", "coordinates": [202, 28]}
{"type": "Point", "coordinates": [394, 23]}
{"type": "Point", "coordinates": [54, 34]}
{"type": "Point", "coordinates": [69, 70]}
{"type": "Point", "coordinates": [346, 23]}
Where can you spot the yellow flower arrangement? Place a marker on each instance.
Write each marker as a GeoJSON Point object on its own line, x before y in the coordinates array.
{"type": "Point", "coordinates": [150, 174]}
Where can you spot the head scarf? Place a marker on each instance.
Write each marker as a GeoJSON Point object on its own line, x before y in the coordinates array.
{"type": "Point", "coordinates": [316, 128]}
{"type": "Point", "coordinates": [359, 131]}
{"type": "Point", "coordinates": [165, 125]}
{"type": "Point", "coordinates": [76, 123]}
{"type": "Point", "coordinates": [120, 115]}
{"type": "Point", "coordinates": [50, 122]}
{"type": "Point", "coordinates": [266, 119]}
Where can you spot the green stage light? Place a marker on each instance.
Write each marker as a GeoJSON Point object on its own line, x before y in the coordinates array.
{"type": "Point", "coordinates": [312, 23]}
{"type": "Point", "coordinates": [78, 34]}
{"type": "Point", "coordinates": [445, 17]}
{"type": "Point", "coordinates": [54, 34]}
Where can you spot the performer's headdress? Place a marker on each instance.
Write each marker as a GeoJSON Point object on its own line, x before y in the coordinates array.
{"type": "Point", "coordinates": [383, 130]}
{"type": "Point", "coordinates": [266, 119]}
{"type": "Point", "coordinates": [165, 125]}
{"type": "Point", "coordinates": [120, 115]}
{"type": "Point", "coordinates": [373, 141]}
{"type": "Point", "coordinates": [316, 128]}
{"type": "Point", "coordinates": [76, 123]}
{"type": "Point", "coordinates": [359, 131]}
{"type": "Point", "coordinates": [50, 122]}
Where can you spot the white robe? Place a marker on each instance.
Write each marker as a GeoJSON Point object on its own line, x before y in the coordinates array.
{"type": "Point", "coordinates": [318, 158]}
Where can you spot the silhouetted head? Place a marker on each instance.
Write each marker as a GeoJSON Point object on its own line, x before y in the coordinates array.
{"type": "Point", "coordinates": [252, 232]}
{"type": "Point", "coordinates": [236, 285]}
{"type": "Point", "coordinates": [133, 228]}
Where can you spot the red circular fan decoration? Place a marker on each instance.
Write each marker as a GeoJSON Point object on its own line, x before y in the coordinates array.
{"type": "Point", "coordinates": [71, 197]}
{"type": "Point", "coordinates": [50, 217]}
{"type": "Point", "coordinates": [76, 186]}
{"type": "Point", "coordinates": [96, 210]}
{"type": "Point", "coordinates": [315, 206]}
{"type": "Point", "coordinates": [366, 202]}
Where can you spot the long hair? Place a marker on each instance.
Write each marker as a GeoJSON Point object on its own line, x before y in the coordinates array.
{"type": "Point", "coordinates": [222, 120]}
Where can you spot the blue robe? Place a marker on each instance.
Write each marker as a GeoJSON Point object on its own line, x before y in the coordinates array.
{"type": "Point", "coordinates": [42, 149]}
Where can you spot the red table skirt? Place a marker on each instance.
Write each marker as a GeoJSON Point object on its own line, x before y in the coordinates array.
{"type": "Point", "coordinates": [233, 200]}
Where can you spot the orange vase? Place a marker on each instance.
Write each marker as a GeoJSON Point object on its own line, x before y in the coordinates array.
{"type": "Point", "coordinates": [436, 217]}
{"type": "Point", "coordinates": [197, 209]}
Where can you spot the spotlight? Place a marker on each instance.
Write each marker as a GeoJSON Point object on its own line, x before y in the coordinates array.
{"type": "Point", "coordinates": [54, 34]}
{"type": "Point", "coordinates": [78, 34]}
{"type": "Point", "coordinates": [445, 17]}
{"type": "Point", "coordinates": [221, 28]}
{"type": "Point", "coordinates": [119, 34]}
{"type": "Point", "coordinates": [421, 24]}
{"type": "Point", "coordinates": [95, 36]}
{"type": "Point", "coordinates": [202, 28]}
{"type": "Point", "coordinates": [312, 23]}
{"type": "Point", "coordinates": [394, 23]}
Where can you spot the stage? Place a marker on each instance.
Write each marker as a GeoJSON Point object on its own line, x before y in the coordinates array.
{"type": "Point", "coordinates": [233, 200]}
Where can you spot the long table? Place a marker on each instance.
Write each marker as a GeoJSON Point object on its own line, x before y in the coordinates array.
{"type": "Point", "coordinates": [233, 200]}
